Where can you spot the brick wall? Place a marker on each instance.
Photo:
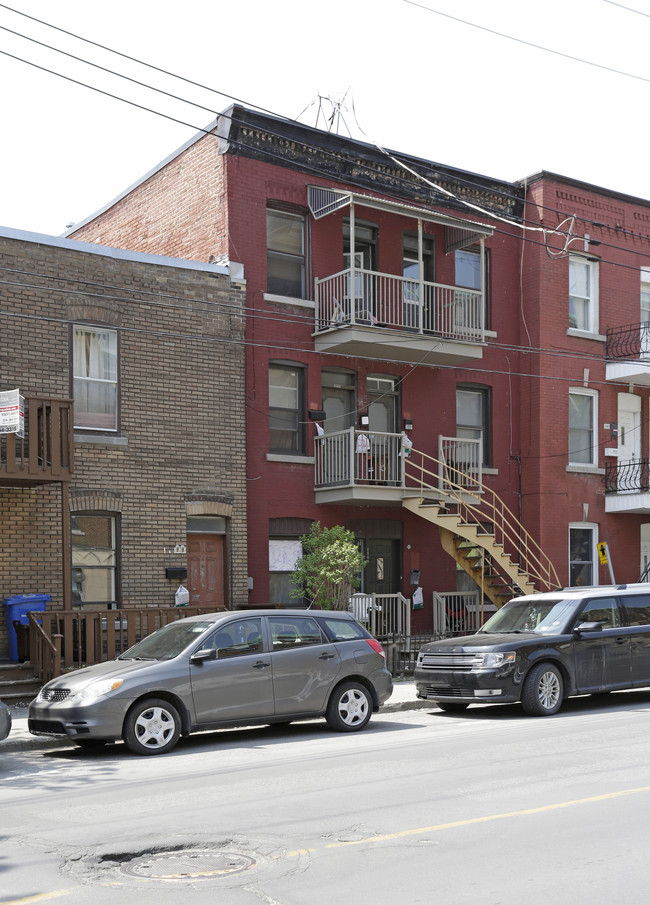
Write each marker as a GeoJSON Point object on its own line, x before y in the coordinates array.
{"type": "Point", "coordinates": [181, 436]}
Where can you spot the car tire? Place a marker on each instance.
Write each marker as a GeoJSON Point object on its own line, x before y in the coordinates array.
{"type": "Point", "coordinates": [349, 708]}
{"type": "Point", "coordinates": [152, 726]}
{"type": "Point", "coordinates": [543, 690]}
{"type": "Point", "coordinates": [452, 706]}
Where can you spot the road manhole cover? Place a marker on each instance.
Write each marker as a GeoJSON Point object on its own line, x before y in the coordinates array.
{"type": "Point", "coordinates": [187, 865]}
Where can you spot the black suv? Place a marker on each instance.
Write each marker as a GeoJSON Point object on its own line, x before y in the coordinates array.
{"type": "Point", "coordinates": [543, 648]}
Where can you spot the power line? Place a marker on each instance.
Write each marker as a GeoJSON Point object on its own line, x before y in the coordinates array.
{"type": "Point", "coordinates": [558, 53]}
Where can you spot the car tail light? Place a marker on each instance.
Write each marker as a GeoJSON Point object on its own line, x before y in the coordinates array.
{"type": "Point", "coordinates": [376, 646]}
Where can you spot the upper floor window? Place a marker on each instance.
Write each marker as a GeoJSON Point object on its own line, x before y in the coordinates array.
{"type": "Point", "coordinates": [286, 394]}
{"type": "Point", "coordinates": [285, 253]}
{"type": "Point", "coordinates": [583, 417]}
{"type": "Point", "coordinates": [645, 295]}
{"type": "Point", "coordinates": [94, 559]}
{"type": "Point", "coordinates": [467, 270]}
{"type": "Point", "coordinates": [94, 368]}
{"type": "Point", "coordinates": [583, 294]}
{"type": "Point", "coordinates": [473, 419]}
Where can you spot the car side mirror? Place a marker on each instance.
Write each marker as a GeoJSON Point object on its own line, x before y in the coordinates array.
{"type": "Point", "coordinates": [200, 656]}
{"type": "Point", "coordinates": [587, 627]}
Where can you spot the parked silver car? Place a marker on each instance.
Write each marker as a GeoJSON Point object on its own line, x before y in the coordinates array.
{"type": "Point", "coordinates": [5, 721]}
{"type": "Point", "coordinates": [221, 669]}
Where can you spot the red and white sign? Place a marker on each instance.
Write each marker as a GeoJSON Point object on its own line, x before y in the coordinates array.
{"type": "Point", "coordinates": [12, 413]}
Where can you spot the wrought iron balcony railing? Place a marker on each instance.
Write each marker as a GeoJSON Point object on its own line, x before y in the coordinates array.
{"type": "Point", "coordinates": [628, 477]}
{"type": "Point", "coordinates": [630, 343]}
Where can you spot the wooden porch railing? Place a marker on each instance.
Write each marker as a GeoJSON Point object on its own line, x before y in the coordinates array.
{"type": "Point", "coordinates": [60, 640]}
{"type": "Point", "coordinates": [46, 453]}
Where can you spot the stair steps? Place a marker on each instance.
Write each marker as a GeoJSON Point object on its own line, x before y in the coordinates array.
{"type": "Point", "coordinates": [18, 683]}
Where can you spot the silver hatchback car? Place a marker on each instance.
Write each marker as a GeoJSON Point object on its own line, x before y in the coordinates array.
{"type": "Point", "coordinates": [217, 670]}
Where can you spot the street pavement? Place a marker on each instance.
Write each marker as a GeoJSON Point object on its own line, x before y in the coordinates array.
{"type": "Point", "coordinates": [20, 739]}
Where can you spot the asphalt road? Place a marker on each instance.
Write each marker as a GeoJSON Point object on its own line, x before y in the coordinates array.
{"type": "Point", "coordinates": [489, 807]}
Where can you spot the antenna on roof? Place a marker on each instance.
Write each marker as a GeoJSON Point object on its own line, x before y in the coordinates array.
{"type": "Point", "coordinates": [330, 110]}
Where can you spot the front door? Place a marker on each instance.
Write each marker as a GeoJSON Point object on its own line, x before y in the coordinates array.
{"type": "Point", "coordinates": [603, 660]}
{"type": "Point", "coordinates": [206, 569]}
{"type": "Point", "coordinates": [382, 575]}
{"type": "Point", "coordinates": [629, 443]}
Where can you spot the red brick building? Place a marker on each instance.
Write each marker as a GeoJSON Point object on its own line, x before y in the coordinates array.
{"type": "Point", "coordinates": [387, 294]}
{"type": "Point", "coordinates": [107, 502]}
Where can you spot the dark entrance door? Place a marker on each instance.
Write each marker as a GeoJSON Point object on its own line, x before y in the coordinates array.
{"type": "Point", "coordinates": [382, 573]}
{"type": "Point", "coordinates": [206, 569]}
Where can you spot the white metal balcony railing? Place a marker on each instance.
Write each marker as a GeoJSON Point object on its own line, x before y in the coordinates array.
{"type": "Point", "coordinates": [366, 298]}
{"type": "Point", "coordinates": [350, 457]}
{"type": "Point", "coordinates": [382, 614]}
{"type": "Point", "coordinates": [459, 612]}
{"type": "Point", "coordinates": [461, 462]}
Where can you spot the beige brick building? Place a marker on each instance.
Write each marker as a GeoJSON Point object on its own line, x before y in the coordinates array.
{"type": "Point", "coordinates": [151, 352]}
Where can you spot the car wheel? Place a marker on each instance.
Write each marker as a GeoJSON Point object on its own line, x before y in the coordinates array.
{"type": "Point", "coordinates": [152, 727]}
{"type": "Point", "coordinates": [452, 706]}
{"type": "Point", "coordinates": [543, 690]}
{"type": "Point", "coordinates": [349, 708]}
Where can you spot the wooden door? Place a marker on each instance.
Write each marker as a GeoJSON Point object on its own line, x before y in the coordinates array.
{"type": "Point", "coordinates": [206, 569]}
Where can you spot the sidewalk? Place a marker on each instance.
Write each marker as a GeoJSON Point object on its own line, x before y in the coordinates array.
{"type": "Point", "coordinates": [20, 739]}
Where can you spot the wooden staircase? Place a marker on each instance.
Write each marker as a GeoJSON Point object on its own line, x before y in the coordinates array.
{"type": "Point", "coordinates": [478, 530]}
{"type": "Point", "coordinates": [18, 683]}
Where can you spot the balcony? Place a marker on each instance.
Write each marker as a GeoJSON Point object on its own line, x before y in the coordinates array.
{"type": "Point", "coordinates": [628, 355]}
{"type": "Point", "coordinates": [627, 487]}
{"type": "Point", "coordinates": [46, 454]}
{"type": "Point", "coordinates": [378, 315]}
{"type": "Point", "coordinates": [367, 467]}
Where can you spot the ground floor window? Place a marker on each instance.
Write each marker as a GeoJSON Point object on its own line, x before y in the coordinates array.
{"type": "Point", "coordinates": [94, 559]}
{"type": "Point", "coordinates": [283, 556]}
{"type": "Point", "coordinates": [582, 555]}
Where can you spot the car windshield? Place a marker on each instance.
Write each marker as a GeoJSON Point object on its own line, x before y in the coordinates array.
{"type": "Point", "coordinates": [549, 616]}
{"type": "Point", "coordinates": [168, 642]}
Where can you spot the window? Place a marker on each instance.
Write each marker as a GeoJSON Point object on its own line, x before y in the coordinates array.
{"type": "Point", "coordinates": [467, 265]}
{"type": "Point", "coordinates": [94, 368]}
{"type": "Point", "coordinates": [411, 286]}
{"type": "Point", "coordinates": [583, 405]}
{"type": "Point", "coordinates": [285, 262]}
{"type": "Point", "coordinates": [94, 560]}
{"type": "Point", "coordinates": [473, 420]}
{"type": "Point", "coordinates": [582, 558]}
{"type": "Point", "coordinates": [236, 639]}
{"type": "Point", "coordinates": [284, 553]}
{"type": "Point", "coordinates": [289, 632]}
{"type": "Point", "coordinates": [603, 610]}
{"type": "Point", "coordinates": [645, 295]}
{"type": "Point", "coordinates": [583, 294]}
{"type": "Point", "coordinates": [286, 391]}
{"type": "Point", "coordinates": [638, 609]}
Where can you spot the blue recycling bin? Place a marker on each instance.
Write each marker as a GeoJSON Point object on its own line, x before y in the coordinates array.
{"type": "Point", "coordinates": [17, 608]}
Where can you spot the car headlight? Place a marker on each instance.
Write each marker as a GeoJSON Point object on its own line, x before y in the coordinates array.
{"type": "Point", "coordinates": [502, 658]}
{"type": "Point", "coordinates": [94, 690]}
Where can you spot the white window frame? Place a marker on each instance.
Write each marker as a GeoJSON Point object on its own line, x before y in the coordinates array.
{"type": "Point", "coordinates": [589, 526]}
{"type": "Point", "coordinates": [590, 300]}
{"type": "Point", "coordinates": [593, 458]}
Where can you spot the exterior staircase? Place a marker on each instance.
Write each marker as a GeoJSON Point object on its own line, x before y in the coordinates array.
{"type": "Point", "coordinates": [478, 530]}
{"type": "Point", "coordinates": [18, 683]}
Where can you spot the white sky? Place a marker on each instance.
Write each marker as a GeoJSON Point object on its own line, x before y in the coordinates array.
{"type": "Point", "coordinates": [420, 83]}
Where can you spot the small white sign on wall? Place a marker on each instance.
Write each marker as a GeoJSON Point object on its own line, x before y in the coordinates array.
{"type": "Point", "coordinates": [12, 413]}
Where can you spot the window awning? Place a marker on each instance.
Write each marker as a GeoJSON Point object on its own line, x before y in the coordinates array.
{"type": "Point", "coordinates": [459, 233]}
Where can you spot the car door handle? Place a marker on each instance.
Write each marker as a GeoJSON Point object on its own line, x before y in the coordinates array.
{"type": "Point", "coordinates": [261, 664]}
{"type": "Point", "coordinates": [326, 656]}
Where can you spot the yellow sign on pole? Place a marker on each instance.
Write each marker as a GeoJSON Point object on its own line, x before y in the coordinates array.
{"type": "Point", "coordinates": [602, 554]}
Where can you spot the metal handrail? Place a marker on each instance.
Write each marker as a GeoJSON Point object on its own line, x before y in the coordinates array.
{"type": "Point", "coordinates": [480, 507]}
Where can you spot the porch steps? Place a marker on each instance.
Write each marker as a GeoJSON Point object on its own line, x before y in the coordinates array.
{"type": "Point", "coordinates": [503, 578]}
{"type": "Point", "coordinates": [18, 683]}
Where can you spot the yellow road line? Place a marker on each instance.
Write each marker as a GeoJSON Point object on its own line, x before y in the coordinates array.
{"type": "Point", "coordinates": [608, 796]}
{"type": "Point", "coordinates": [40, 897]}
